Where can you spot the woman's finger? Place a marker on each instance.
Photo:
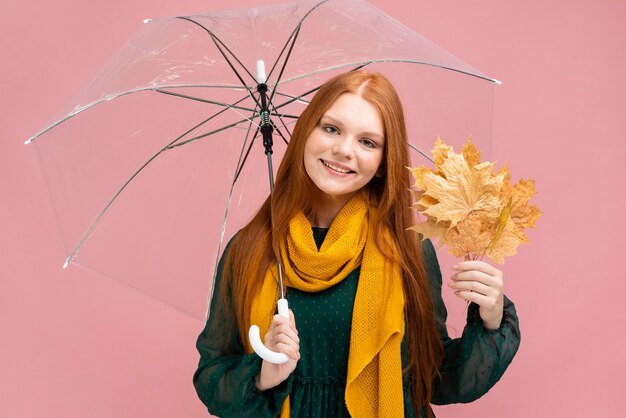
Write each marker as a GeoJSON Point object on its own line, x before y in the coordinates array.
{"type": "Point", "coordinates": [282, 336]}
{"type": "Point", "coordinates": [282, 343]}
{"type": "Point", "coordinates": [475, 297]}
{"type": "Point", "coordinates": [292, 318]}
{"type": "Point", "coordinates": [286, 330]}
{"type": "Point", "coordinates": [475, 275]}
{"type": "Point", "coordinates": [292, 352]}
{"type": "Point", "coordinates": [474, 286]}
{"type": "Point", "coordinates": [477, 265]}
{"type": "Point", "coordinates": [279, 320]}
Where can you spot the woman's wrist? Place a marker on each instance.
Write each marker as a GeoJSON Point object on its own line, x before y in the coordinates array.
{"type": "Point", "coordinates": [258, 385]}
{"type": "Point", "coordinates": [262, 385]}
{"type": "Point", "coordinates": [493, 324]}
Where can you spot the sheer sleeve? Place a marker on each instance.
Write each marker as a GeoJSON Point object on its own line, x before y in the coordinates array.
{"type": "Point", "coordinates": [474, 362]}
{"type": "Point", "coordinates": [225, 378]}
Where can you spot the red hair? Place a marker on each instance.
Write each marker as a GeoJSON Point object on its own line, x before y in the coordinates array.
{"type": "Point", "coordinates": [257, 243]}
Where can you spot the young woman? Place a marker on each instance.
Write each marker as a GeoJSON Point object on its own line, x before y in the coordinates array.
{"type": "Point", "coordinates": [366, 335]}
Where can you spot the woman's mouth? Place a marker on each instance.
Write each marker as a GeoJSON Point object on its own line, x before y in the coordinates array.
{"type": "Point", "coordinates": [337, 168]}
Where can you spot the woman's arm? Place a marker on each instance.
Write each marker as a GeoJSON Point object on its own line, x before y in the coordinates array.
{"type": "Point", "coordinates": [226, 376]}
{"type": "Point", "coordinates": [474, 362]}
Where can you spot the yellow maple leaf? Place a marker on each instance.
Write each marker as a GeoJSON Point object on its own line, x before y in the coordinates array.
{"type": "Point", "coordinates": [470, 153]}
{"type": "Point", "coordinates": [472, 210]}
{"type": "Point", "coordinates": [523, 214]}
{"type": "Point", "coordinates": [472, 235]}
{"type": "Point", "coordinates": [464, 189]}
{"type": "Point", "coordinates": [440, 153]}
{"type": "Point", "coordinates": [507, 243]}
{"type": "Point", "coordinates": [418, 175]}
{"type": "Point", "coordinates": [430, 229]}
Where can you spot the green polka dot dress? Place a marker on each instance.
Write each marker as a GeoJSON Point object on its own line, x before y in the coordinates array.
{"type": "Point", "coordinates": [226, 375]}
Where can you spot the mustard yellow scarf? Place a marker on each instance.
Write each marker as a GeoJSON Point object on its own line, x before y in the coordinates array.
{"type": "Point", "coordinates": [374, 380]}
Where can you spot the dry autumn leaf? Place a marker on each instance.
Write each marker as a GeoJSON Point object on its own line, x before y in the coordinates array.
{"type": "Point", "coordinates": [472, 210]}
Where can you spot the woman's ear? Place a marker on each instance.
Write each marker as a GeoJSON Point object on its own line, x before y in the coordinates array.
{"type": "Point", "coordinates": [381, 170]}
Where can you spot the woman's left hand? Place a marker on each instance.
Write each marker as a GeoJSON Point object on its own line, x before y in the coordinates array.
{"type": "Point", "coordinates": [481, 283]}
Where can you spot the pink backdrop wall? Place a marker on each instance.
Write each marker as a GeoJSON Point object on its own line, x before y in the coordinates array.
{"type": "Point", "coordinates": [75, 345]}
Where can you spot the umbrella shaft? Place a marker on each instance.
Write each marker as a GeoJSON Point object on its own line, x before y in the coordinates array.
{"type": "Point", "coordinates": [270, 171]}
{"type": "Point", "coordinates": [267, 130]}
{"type": "Point", "coordinates": [266, 126]}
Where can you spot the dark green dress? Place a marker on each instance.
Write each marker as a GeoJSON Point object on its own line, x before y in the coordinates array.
{"type": "Point", "coordinates": [225, 377]}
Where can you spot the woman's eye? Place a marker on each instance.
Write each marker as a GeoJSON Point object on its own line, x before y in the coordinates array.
{"type": "Point", "coordinates": [330, 129]}
{"type": "Point", "coordinates": [368, 143]}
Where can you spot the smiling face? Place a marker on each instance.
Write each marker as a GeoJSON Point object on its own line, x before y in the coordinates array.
{"type": "Point", "coordinates": [345, 150]}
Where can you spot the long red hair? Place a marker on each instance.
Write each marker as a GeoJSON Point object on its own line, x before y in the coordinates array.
{"type": "Point", "coordinates": [256, 245]}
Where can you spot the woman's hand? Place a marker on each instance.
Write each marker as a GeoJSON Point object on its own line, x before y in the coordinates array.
{"type": "Point", "coordinates": [282, 337]}
{"type": "Point", "coordinates": [481, 283]}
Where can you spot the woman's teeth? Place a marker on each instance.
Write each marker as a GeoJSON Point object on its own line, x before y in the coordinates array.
{"type": "Point", "coordinates": [335, 168]}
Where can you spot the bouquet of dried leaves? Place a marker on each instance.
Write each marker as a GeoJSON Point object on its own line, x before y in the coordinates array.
{"type": "Point", "coordinates": [472, 210]}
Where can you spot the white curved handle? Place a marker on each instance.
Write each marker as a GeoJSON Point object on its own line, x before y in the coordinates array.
{"type": "Point", "coordinates": [257, 345]}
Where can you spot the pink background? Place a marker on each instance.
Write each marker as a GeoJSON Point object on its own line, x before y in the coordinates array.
{"type": "Point", "coordinates": [76, 345]}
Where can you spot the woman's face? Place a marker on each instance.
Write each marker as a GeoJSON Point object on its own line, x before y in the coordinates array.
{"type": "Point", "coordinates": [345, 149]}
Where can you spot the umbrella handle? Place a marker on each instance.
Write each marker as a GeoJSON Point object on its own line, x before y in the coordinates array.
{"type": "Point", "coordinates": [257, 345]}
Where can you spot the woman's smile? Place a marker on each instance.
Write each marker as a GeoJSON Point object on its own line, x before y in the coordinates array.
{"type": "Point", "coordinates": [337, 168]}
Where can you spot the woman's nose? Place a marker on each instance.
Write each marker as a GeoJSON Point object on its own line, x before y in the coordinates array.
{"type": "Point", "coordinates": [343, 148]}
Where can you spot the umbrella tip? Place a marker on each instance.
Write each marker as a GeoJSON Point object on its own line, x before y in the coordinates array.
{"type": "Point", "coordinates": [67, 262]}
{"type": "Point", "coordinates": [260, 72]}
{"type": "Point", "coordinates": [498, 82]}
{"type": "Point", "coordinates": [28, 141]}
{"type": "Point", "coordinates": [147, 20]}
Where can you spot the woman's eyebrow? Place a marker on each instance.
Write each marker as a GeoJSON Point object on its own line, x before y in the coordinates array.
{"type": "Point", "coordinates": [330, 119]}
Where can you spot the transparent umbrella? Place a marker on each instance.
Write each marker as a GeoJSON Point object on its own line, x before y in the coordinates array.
{"type": "Point", "coordinates": [160, 159]}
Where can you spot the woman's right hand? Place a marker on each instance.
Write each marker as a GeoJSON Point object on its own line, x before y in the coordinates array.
{"type": "Point", "coordinates": [282, 337]}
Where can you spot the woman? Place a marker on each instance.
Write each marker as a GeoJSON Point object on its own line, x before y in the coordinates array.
{"type": "Point", "coordinates": [366, 335]}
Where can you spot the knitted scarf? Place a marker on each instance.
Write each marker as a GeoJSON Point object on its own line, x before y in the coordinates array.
{"type": "Point", "coordinates": [374, 378]}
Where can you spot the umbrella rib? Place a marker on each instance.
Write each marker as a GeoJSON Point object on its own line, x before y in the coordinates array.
{"type": "Point", "coordinates": [296, 29]}
{"type": "Point", "coordinates": [393, 60]}
{"type": "Point", "coordinates": [279, 56]}
{"type": "Point", "coordinates": [280, 117]}
{"type": "Point", "coordinates": [228, 202]}
{"type": "Point", "coordinates": [421, 152]}
{"type": "Point", "coordinates": [185, 96]}
{"type": "Point", "coordinates": [219, 44]}
{"type": "Point", "coordinates": [107, 99]}
{"type": "Point", "coordinates": [281, 134]}
{"type": "Point", "coordinates": [240, 165]}
{"type": "Point", "coordinates": [282, 69]}
{"type": "Point", "coordinates": [274, 113]}
{"type": "Point", "coordinates": [132, 177]}
{"type": "Point", "coordinates": [242, 162]}
{"type": "Point", "coordinates": [195, 138]}
{"type": "Point", "coordinates": [139, 290]}
{"type": "Point", "coordinates": [215, 41]}
{"type": "Point", "coordinates": [294, 99]}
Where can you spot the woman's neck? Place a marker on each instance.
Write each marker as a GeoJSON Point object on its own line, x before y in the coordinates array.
{"type": "Point", "coordinates": [326, 209]}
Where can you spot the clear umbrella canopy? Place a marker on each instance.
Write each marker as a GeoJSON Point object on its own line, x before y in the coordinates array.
{"type": "Point", "coordinates": [157, 162]}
